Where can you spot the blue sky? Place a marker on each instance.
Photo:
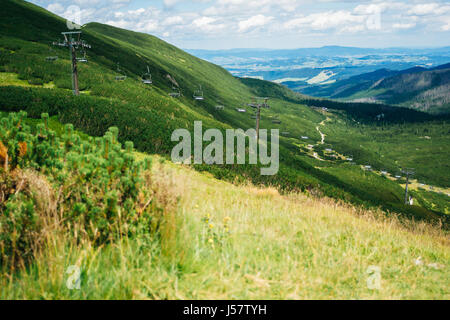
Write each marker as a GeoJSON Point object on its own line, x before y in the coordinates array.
{"type": "Point", "coordinates": [225, 24]}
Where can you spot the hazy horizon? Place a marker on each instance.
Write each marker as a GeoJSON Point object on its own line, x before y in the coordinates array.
{"type": "Point", "coordinates": [325, 46]}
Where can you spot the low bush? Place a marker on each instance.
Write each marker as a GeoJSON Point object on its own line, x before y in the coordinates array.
{"type": "Point", "coordinates": [93, 189]}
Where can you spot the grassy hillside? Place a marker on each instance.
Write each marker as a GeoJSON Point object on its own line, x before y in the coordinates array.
{"type": "Point", "coordinates": [146, 115]}
{"type": "Point", "coordinates": [175, 233]}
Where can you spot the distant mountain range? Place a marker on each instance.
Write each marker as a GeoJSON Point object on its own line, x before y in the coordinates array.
{"type": "Point", "coordinates": [415, 78]}
{"type": "Point", "coordinates": [424, 89]}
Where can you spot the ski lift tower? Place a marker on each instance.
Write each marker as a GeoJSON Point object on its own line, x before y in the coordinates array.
{"type": "Point", "coordinates": [258, 103]}
{"type": "Point", "coordinates": [409, 172]}
{"type": "Point", "coordinates": [72, 40]}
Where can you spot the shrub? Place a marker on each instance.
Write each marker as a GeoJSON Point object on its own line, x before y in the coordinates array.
{"type": "Point", "coordinates": [103, 192]}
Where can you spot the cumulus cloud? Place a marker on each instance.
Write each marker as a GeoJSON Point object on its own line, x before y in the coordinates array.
{"type": "Point", "coordinates": [56, 8]}
{"type": "Point", "coordinates": [255, 21]}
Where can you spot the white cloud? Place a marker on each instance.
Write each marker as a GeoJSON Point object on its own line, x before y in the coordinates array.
{"type": "Point", "coordinates": [203, 21]}
{"type": "Point", "coordinates": [173, 20]}
{"type": "Point", "coordinates": [326, 20]}
{"type": "Point", "coordinates": [56, 8]}
{"type": "Point", "coordinates": [403, 25]}
{"type": "Point", "coordinates": [429, 9]}
{"type": "Point", "coordinates": [255, 21]}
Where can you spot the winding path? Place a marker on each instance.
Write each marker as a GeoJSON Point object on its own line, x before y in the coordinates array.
{"type": "Point", "coordinates": [322, 142]}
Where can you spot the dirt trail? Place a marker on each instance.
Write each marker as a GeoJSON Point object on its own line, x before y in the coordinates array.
{"type": "Point", "coordinates": [323, 136]}
{"type": "Point", "coordinates": [320, 132]}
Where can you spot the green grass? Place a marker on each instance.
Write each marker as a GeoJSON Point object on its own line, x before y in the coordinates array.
{"type": "Point", "coordinates": [365, 94]}
{"type": "Point", "coordinates": [147, 116]}
{"type": "Point", "coordinates": [278, 247]}
{"type": "Point", "coordinates": [422, 146]}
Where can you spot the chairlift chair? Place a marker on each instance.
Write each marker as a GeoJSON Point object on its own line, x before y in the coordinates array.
{"type": "Point", "coordinates": [147, 77]}
{"type": "Point", "coordinates": [121, 77]}
{"type": "Point", "coordinates": [276, 121]}
{"type": "Point", "coordinates": [84, 58]}
{"type": "Point", "coordinates": [198, 94]}
{"type": "Point", "coordinates": [176, 93]}
{"type": "Point", "coordinates": [51, 58]}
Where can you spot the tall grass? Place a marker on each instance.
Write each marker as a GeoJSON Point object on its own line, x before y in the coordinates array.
{"type": "Point", "coordinates": [277, 247]}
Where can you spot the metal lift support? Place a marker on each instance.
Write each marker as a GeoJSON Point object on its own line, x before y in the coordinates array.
{"type": "Point", "coordinates": [72, 43]}
{"type": "Point", "coordinates": [258, 103]}
{"type": "Point", "coordinates": [408, 172]}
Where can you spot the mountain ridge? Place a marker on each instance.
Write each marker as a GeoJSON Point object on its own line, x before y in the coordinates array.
{"type": "Point", "coordinates": [397, 88]}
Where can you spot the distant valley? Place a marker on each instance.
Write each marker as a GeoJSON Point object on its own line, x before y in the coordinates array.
{"type": "Point", "coordinates": [415, 79]}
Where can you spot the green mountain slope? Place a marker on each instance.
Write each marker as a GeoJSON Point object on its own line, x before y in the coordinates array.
{"type": "Point", "coordinates": [417, 88]}
{"type": "Point", "coordinates": [147, 115]}
{"type": "Point", "coordinates": [139, 227]}
{"type": "Point", "coordinates": [427, 91]}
